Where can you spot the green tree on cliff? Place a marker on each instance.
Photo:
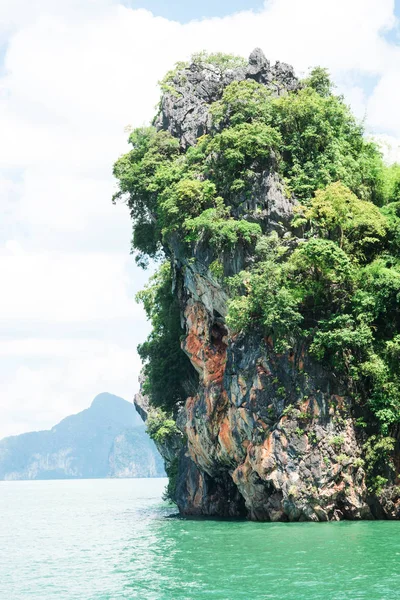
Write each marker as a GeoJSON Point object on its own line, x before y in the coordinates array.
{"type": "Point", "coordinates": [335, 285]}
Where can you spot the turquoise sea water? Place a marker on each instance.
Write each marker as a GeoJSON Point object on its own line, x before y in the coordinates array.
{"type": "Point", "coordinates": [111, 539]}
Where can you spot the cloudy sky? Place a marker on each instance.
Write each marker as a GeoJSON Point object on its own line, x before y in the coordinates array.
{"type": "Point", "coordinates": [73, 75]}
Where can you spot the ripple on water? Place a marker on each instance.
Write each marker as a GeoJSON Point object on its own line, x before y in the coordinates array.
{"type": "Point", "coordinates": [115, 539]}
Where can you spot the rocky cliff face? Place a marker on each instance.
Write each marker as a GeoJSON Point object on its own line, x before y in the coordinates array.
{"type": "Point", "coordinates": [269, 436]}
{"type": "Point", "coordinates": [185, 111]}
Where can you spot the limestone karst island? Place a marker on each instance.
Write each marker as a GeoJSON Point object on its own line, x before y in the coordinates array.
{"type": "Point", "coordinates": [271, 383]}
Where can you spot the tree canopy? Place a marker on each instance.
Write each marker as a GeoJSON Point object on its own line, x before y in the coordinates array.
{"type": "Point", "coordinates": [334, 285]}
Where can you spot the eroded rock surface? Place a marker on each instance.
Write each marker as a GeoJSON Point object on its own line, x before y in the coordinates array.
{"type": "Point", "coordinates": [185, 111]}
{"type": "Point", "coordinates": [269, 436]}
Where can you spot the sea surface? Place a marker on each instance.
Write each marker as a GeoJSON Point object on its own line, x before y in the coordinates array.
{"type": "Point", "coordinates": [111, 539]}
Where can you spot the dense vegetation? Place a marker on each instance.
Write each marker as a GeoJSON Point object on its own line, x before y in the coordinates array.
{"type": "Point", "coordinates": [335, 285]}
{"type": "Point", "coordinates": [167, 368]}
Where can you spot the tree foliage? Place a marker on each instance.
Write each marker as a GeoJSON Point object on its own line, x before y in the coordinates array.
{"type": "Point", "coordinates": [168, 372]}
{"type": "Point", "coordinates": [357, 226]}
{"type": "Point", "coordinates": [342, 285]}
{"type": "Point", "coordinates": [335, 287]}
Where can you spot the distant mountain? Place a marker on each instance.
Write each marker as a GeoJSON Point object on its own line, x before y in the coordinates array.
{"type": "Point", "coordinates": [106, 440]}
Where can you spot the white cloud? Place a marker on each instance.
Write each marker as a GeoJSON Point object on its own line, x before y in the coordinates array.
{"type": "Point", "coordinates": [64, 287]}
{"type": "Point", "coordinates": [18, 13]}
{"type": "Point", "coordinates": [383, 106]}
{"type": "Point", "coordinates": [55, 378]}
{"type": "Point", "coordinates": [65, 201]}
{"type": "Point", "coordinates": [390, 147]}
{"type": "Point", "coordinates": [76, 72]}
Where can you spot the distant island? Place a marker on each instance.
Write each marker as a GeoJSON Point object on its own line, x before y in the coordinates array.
{"type": "Point", "coordinates": [108, 439]}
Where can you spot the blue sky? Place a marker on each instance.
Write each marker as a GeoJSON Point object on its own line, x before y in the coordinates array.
{"type": "Point", "coordinates": [186, 11]}
{"type": "Point", "coordinates": [74, 75]}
